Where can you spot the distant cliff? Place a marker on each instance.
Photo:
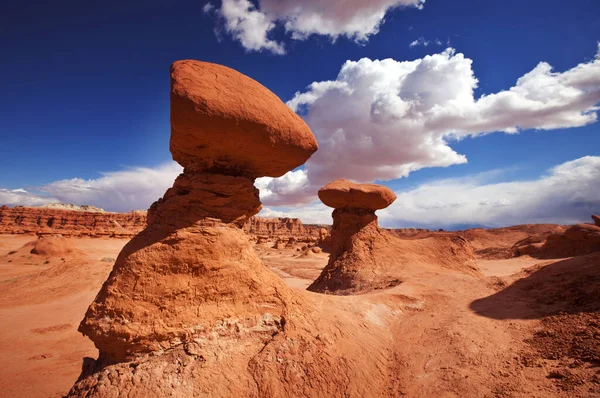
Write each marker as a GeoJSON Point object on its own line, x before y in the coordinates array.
{"type": "Point", "coordinates": [44, 221]}
{"type": "Point", "coordinates": [284, 228]}
{"type": "Point", "coordinates": [71, 220]}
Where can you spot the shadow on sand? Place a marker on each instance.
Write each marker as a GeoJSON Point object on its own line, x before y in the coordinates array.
{"type": "Point", "coordinates": [566, 286]}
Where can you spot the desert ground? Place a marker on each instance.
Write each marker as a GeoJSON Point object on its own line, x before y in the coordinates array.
{"type": "Point", "coordinates": [522, 327]}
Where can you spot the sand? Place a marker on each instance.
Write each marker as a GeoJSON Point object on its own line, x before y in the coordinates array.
{"type": "Point", "coordinates": [445, 330]}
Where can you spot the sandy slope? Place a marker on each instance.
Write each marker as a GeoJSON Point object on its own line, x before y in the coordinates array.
{"type": "Point", "coordinates": [42, 300]}
{"type": "Point", "coordinates": [450, 334]}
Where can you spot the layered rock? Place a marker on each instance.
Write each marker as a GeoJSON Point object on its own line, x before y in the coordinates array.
{"type": "Point", "coordinates": [364, 257]}
{"type": "Point", "coordinates": [70, 222]}
{"type": "Point", "coordinates": [81, 221]}
{"type": "Point", "coordinates": [189, 309]}
{"type": "Point", "coordinates": [271, 229]}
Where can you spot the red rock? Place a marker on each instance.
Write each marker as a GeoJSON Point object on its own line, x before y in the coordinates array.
{"type": "Point", "coordinates": [189, 309]}
{"type": "Point", "coordinates": [195, 196]}
{"type": "Point", "coordinates": [364, 257]}
{"type": "Point", "coordinates": [53, 246]}
{"type": "Point", "coordinates": [285, 228]}
{"type": "Point", "coordinates": [227, 123]}
{"type": "Point", "coordinates": [596, 220]}
{"type": "Point", "coordinates": [577, 240]}
{"type": "Point", "coordinates": [50, 221]}
{"type": "Point", "coordinates": [343, 193]}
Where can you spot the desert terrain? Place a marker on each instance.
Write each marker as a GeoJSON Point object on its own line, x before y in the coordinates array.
{"type": "Point", "coordinates": [521, 326]}
{"type": "Point", "coordinates": [199, 297]}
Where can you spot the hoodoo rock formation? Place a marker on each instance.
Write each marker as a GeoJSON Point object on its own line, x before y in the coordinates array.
{"type": "Point", "coordinates": [354, 226]}
{"type": "Point", "coordinates": [189, 309]}
{"type": "Point", "coordinates": [364, 257]}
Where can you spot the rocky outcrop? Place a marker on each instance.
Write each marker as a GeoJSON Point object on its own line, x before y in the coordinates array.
{"type": "Point", "coordinates": [70, 220]}
{"type": "Point", "coordinates": [271, 229]}
{"type": "Point", "coordinates": [577, 240]}
{"type": "Point", "coordinates": [48, 221]}
{"type": "Point", "coordinates": [52, 246]}
{"type": "Point", "coordinates": [596, 220]}
{"type": "Point", "coordinates": [69, 206]}
{"type": "Point", "coordinates": [189, 309]}
{"type": "Point", "coordinates": [365, 257]}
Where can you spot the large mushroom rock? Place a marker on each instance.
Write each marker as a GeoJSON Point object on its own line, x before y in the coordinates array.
{"type": "Point", "coordinates": [365, 257]}
{"type": "Point", "coordinates": [193, 249]}
{"type": "Point", "coordinates": [189, 309]}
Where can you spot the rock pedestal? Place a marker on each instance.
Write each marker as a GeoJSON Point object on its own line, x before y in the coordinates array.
{"type": "Point", "coordinates": [189, 309]}
{"type": "Point", "coordinates": [355, 233]}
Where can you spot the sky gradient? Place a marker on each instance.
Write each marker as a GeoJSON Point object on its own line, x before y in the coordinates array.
{"type": "Point", "coordinates": [84, 110]}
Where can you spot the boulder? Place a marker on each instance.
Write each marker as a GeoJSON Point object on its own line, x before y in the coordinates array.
{"type": "Point", "coordinates": [343, 193]}
{"type": "Point", "coordinates": [227, 123]}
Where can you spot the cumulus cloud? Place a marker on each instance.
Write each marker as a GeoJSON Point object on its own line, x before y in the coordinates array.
{"type": "Point", "coordinates": [383, 119]}
{"type": "Point", "coordinates": [250, 26]}
{"type": "Point", "coordinates": [290, 188]}
{"type": "Point", "coordinates": [253, 25]}
{"type": "Point", "coordinates": [566, 194]}
{"type": "Point", "coordinates": [125, 190]}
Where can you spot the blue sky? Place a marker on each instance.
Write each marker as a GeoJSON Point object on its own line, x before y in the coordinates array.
{"type": "Point", "coordinates": [85, 90]}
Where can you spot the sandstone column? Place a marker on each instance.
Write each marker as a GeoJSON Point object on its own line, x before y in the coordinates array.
{"type": "Point", "coordinates": [193, 268]}
{"type": "Point", "coordinates": [354, 238]}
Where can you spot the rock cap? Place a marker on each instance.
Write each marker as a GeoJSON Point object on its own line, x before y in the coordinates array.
{"type": "Point", "coordinates": [343, 193]}
{"type": "Point", "coordinates": [225, 122]}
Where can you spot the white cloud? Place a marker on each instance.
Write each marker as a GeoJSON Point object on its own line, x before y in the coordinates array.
{"type": "Point", "coordinates": [208, 8]}
{"type": "Point", "coordinates": [314, 213]}
{"type": "Point", "coordinates": [250, 26]}
{"type": "Point", "coordinates": [290, 188]}
{"type": "Point", "coordinates": [567, 194]}
{"type": "Point", "coordinates": [421, 41]}
{"type": "Point", "coordinates": [125, 190]}
{"type": "Point", "coordinates": [355, 19]}
{"type": "Point", "coordinates": [14, 197]}
{"type": "Point", "coordinates": [383, 119]}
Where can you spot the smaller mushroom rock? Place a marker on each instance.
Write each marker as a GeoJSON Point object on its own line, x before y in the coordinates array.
{"type": "Point", "coordinates": [364, 257]}
{"type": "Point", "coordinates": [343, 193]}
